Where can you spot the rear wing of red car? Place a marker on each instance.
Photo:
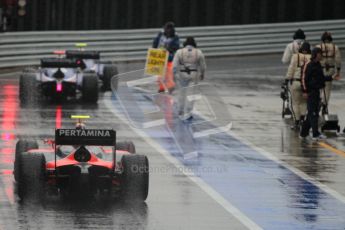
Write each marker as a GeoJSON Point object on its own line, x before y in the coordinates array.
{"type": "Point", "coordinates": [85, 137]}
{"type": "Point", "coordinates": [100, 137]}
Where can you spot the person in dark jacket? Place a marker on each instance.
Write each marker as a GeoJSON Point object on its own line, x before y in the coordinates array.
{"type": "Point", "coordinates": [313, 81]}
{"type": "Point", "coordinates": [169, 40]}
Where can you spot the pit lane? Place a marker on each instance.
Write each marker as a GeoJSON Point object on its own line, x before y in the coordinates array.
{"type": "Point", "coordinates": [250, 88]}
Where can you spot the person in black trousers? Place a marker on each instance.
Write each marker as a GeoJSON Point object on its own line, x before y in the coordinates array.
{"type": "Point", "coordinates": [313, 81]}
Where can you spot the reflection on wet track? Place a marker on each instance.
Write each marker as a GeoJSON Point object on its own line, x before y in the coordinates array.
{"type": "Point", "coordinates": [258, 175]}
{"type": "Point", "coordinates": [83, 215]}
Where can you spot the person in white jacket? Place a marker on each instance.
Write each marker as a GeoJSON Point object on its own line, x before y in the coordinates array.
{"type": "Point", "coordinates": [294, 46]}
{"type": "Point", "coordinates": [331, 64]}
{"type": "Point", "coordinates": [189, 67]}
{"type": "Point", "coordinates": [294, 76]}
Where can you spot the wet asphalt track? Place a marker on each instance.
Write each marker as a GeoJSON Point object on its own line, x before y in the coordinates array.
{"type": "Point", "coordinates": [265, 192]}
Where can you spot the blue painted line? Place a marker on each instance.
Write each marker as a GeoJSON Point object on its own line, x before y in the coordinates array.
{"type": "Point", "coordinates": [268, 193]}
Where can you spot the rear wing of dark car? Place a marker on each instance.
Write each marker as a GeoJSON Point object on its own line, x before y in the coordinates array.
{"type": "Point", "coordinates": [81, 54]}
{"type": "Point", "coordinates": [58, 63]}
{"type": "Point", "coordinates": [100, 137]}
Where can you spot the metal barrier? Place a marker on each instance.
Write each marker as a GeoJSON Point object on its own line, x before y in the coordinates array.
{"type": "Point", "coordinates": [26, 48]}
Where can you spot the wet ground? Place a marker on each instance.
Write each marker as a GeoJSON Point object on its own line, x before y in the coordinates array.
{"type": "Point", "coordinates": [258, 174]}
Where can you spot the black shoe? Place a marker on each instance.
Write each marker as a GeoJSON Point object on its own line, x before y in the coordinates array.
{"type": "Point", "coordinates": [161, 91]}
{"type": "Point", "coordinates": [319, 137]}
{"type": "Point", "coordinates": [296, 125]}
{"type": "Point", "coordinates": [287, 111]}
{"type": "Point", "coordinates": [171, 90]}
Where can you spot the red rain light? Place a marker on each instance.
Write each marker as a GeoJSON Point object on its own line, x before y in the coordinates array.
{"type": "Point", "coordinates": [59, 87]}
{"type": "Point", "coordinates": [7, 172]}
{"type": "Point", "coordinates": [7, 151]}
{"type": "Point", "coordinates": [8, 136]}
{"type": "Point", "coordinates": [10, 105]}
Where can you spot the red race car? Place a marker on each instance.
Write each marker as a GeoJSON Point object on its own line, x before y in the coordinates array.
{"type": "Point", "coordinates": [77, 162]}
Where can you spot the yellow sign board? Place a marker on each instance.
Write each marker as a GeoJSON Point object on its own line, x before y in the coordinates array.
{"type": "Point", "coordinates": [156, 62]}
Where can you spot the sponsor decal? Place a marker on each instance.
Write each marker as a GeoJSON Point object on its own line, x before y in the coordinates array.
{"type": "Point", "coordinates": [84, 133]}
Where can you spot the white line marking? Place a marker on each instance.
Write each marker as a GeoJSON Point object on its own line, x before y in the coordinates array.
{"type": "Point", "coordinates": [154, 123]}
{"type": "Point", "coordinates": [205, 187]}
{"type": "Point", "coordinates": [208, 132]}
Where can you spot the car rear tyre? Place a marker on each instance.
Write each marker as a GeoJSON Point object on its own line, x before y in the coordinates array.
{"type": "Point", "coordinates": [108, 78]}
{"type": "Point", "coordinates": [27, 88]}
{"type": "Point", "coordinates": [31, 181]}
{"type": "Point", "coordinates": [22, 145]}
{"type": "Point", "coordinates": [135, 178]}
{"type": "Point", "coordinates": [126, 145]}
{"type": "Point", "coordinates": [90, 88]}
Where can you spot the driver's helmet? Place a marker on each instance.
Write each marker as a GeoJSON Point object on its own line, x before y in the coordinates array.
{"type": "Point", "coordinates": [59, 74]}
{"type": "Point", "coordinates": [79, 125]}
